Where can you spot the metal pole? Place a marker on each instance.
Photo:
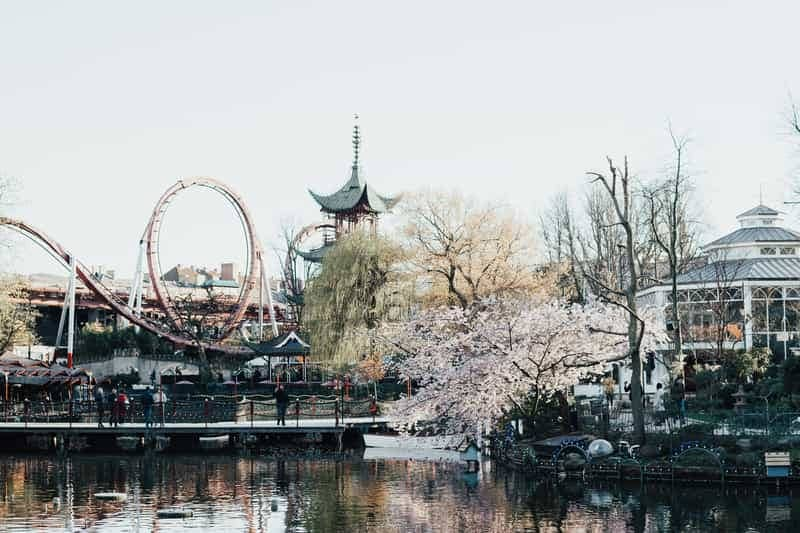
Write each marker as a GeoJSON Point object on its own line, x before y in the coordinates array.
{"type": "Point", "coordinates": [71, 326]}
{"type": "Point", "coordinates": [261, 304]}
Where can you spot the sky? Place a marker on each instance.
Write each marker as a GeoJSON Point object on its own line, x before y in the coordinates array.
{"type": "Point", "coordinates": [104, 105]}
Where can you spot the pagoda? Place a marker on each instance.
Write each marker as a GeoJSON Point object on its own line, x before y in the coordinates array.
{"type": "Point", "coordinates": [355, 205]}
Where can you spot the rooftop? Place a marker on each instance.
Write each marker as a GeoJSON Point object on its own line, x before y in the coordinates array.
{"type": "Point", "coordinates": [759, 210]}
{"type": "Point", "coordinates": [356, 194]}
{"type": "Point", "coordinates": [760, 268]}
{"type": "Point", "coordinates": [757, 234]}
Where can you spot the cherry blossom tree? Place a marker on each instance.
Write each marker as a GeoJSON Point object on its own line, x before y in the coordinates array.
{"type": "Point", "coordinates": [479, 364]}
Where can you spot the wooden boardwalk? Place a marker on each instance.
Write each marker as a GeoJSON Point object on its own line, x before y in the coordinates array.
{"type": "Point", "coordinates": [293, 426]}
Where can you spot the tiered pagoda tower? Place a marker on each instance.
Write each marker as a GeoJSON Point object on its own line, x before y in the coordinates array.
{"type": "Point", "coordinates": [355, 205]}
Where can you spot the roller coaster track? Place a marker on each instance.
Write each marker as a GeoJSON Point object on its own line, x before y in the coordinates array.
{"type": "Point", "coordinates": [150, 239]}
{"type": "Point", "coordinates": [254, 251]}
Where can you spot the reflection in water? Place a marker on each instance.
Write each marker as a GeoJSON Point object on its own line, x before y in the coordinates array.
{"type": "Point", "coordinates": [254, 494]}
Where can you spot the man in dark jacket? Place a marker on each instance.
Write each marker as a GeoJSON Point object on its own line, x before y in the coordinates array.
{"type": "Point", "coordinates": [100, 403]}
{"type": "Point", "coordinates": [147, 405]}
{"type": "Point", "coordinates": [282, 402]}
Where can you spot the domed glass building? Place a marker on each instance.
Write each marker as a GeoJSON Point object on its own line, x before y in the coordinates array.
{"type": "Point", "coordinates": [744, 294]}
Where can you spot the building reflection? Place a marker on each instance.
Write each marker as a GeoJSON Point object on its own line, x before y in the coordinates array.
{"type": "Point", "coordinates": [258, 495]}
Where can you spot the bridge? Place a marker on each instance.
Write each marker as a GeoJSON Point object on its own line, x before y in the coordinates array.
{"type": "Point", "coordinates": [186, 424]}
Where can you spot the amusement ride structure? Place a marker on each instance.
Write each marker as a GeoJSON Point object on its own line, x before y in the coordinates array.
{"type": "Point", "coordinates": [256, 276]}
{"type": "Point", "coordinates": [355, 205]}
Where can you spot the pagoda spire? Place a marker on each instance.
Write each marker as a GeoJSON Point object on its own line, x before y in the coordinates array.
{"type": "Point", "coordinates": [356, 140]}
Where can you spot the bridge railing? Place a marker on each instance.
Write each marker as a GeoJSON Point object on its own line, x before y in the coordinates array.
{"type": "Point", "coordinates": [192, 410]}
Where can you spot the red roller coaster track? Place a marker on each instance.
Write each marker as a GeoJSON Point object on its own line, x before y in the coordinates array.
{"type": "Point", "coordinates": [150, 238]}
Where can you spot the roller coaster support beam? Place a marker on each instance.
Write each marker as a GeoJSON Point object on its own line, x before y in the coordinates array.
{"type": "Point", "coordinates": [264, 282]}
{"type": "Point", "coordinates": [71, 327]}
{"type": "Point", "coordinates": [63, 319]}
{"type": "Point", "coordinates": [137, 286]}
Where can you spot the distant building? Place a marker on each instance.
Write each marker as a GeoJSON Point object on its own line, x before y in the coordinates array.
{"type": "Point", "coordinates": [183, 275]}
{"type": "Point", "coordinates": [229, 272]}
{"type": "Point", "coordinates": [750, 280]}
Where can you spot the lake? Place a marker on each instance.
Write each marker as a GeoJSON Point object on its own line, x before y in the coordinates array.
{"type": "Point", "coordinates": [375, 493]}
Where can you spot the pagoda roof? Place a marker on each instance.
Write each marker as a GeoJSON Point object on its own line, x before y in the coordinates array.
{"type": "Point", "coordinates": [290, 343]}
{"type": "Point", "coordinates": [354, 194]}
{"type": "Point", "coordinates": [317, 254]}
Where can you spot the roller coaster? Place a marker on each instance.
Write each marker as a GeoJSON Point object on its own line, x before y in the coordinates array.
{"type": "Point", "coordinates": [173, 329]}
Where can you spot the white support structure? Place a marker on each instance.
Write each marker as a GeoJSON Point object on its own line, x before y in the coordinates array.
{"type": "Point", "coordinates": [63, 319]}
{"type": "Point", "coordinates": [264, 283]}
{"type": "Point", "coordinates": [71, 326]}
{"type": "Point", "coordinates": [137, 284]}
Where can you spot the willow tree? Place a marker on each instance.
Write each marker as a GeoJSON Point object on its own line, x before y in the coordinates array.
{"type": "Point", "coordinates": [359, 284]}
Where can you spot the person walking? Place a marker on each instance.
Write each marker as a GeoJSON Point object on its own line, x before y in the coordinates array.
{"type": "Point", "coordinates": [147, 405]}
{"type": "Point", "coordinates": [100, 404]}
{"type": "Point", "coordinates": [282, 403]}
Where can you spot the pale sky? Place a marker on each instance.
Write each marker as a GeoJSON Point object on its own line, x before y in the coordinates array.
{"type": "Point", "coordinates": [104, 105]}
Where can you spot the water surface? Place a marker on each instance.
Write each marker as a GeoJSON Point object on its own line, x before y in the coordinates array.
{"type": "Point", "coordinates": [370, 494]}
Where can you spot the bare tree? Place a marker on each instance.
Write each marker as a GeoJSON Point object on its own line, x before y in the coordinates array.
{"type": "Point", "coordinates": [671, 229]}
{"type": "Point", "coordinates": [719, 298]}
{"type": "Point", "coordinates": [17, 321]}
{"type": "Point", "coordinates": [295, 271]}
{"type": "Point", "coordinates": [199, 320]}
{"type": "Point", "coordinates": [618, 185]}
{"type": "Point", "coordinates": [560, 237]}
{"type": "Point", "coordinates": [466, 248]}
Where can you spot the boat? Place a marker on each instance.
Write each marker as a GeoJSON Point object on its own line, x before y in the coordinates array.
{"type": "Point", "coordinates": [129, 443]}
{"type": "Point", "coordinates": [215, 442]}
{"type": "Point", "coordinates": [440, 442]}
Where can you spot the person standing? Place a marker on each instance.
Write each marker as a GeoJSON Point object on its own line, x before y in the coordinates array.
{"type": "Point", "coordinates": [608, 389]}
{"type": "Point", "coordinates": [100, 404]}
{"type": "Point", "coordinates": [122, 406]}
{"type": "Point", "coordinates": [282, 403]}
{"type": "Point", "coordinates": [658, 404]}
{"type": "Point", "coordinates": [679, 397]}
{"type": "Point", "coordinates": [147, 405]}
{"type": "Point", "coordinates": [113, 420]}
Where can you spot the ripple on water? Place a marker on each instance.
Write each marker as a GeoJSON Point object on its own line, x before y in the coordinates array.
{"type": "Point", "coordinates": [380, 492]}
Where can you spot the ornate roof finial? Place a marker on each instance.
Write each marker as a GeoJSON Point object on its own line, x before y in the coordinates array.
{"type": "Point", "coordinates": [356, 140]}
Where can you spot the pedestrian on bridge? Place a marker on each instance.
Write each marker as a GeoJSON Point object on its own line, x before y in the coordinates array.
{"type": "Point", "coordinates": [282, 403]}
{"type": "Point", "coordinates": [100, 404]}
{"type": "Point", "coordinates": [122, 406]}
{"type": "Point", "coordinates": [147, 404]}
{"type": "Point", "coordinates": [113, 420]}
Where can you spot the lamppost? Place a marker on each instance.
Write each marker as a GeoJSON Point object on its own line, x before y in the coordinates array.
{"type": "Point", "coordinates": [5, 403]}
